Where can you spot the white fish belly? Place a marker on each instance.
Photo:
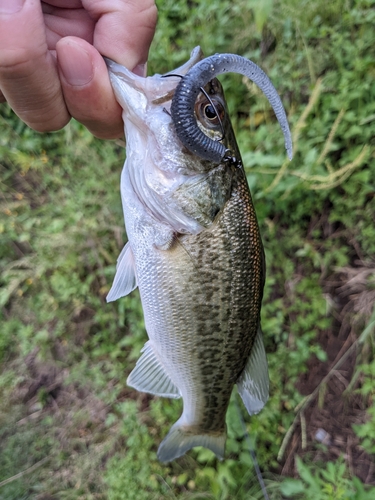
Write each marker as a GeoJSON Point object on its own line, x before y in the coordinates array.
{"type": "Point", "coordinates": [197, 311]}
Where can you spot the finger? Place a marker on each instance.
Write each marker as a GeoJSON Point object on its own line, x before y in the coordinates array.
{"type": "Point", "coordinates": [124, 33]}
{"type": "Point", "coordinates": [28, 74]}
{"type": "Point", "coordinates": [65, 21]}
{"type": "Point", "coordinates": [87, 90]}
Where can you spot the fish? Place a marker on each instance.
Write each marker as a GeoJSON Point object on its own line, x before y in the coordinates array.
{"type": "Point", "coordinates": [195, 252]}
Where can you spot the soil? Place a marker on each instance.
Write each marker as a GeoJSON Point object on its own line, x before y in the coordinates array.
{"type": "Point", "coordinates": [324, 429]}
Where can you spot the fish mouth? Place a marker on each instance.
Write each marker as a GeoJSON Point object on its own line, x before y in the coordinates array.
{"type": "Point", "coordinates": [130, 88]}
{"type": "Point", "coordinates": [195, 56]}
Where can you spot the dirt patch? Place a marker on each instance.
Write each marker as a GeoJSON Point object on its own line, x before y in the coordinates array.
{"type": "Point", "coordinates": [324, 428]}
{"type": "Point", "coordinates": [63, 421]}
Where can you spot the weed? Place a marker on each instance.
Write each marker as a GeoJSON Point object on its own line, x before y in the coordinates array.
{"type": "Point", "coordinates": [331, 483]}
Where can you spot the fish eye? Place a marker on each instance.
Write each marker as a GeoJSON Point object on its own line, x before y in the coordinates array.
{"type": "Point", "coordinates": [210, 113]}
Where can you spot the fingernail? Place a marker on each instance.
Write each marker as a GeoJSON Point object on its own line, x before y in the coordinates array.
{"type": "Point", "coordinates": [10, 6]}
{"type": "Point", "coordinates": [76, 64]}
{"type": "Point", "coordinates": [140, 70]}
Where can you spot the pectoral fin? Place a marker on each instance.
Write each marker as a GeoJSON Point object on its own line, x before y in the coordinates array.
{"type": "Point", "coordinates": [125, 279]}
{"type": "Point", "coordinates": [253, 383]}
{"type": "Point", "coordinates": [149, 376]}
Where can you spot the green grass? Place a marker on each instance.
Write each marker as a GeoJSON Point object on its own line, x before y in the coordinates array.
{"type": "Point", "coordinates": [65, 353]}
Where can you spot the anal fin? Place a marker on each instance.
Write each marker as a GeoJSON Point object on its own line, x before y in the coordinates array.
{"type": "Point", "coordinates": [149, 376]}
{"type": "Point", "coordinates": [125, 278]}
{"type": "Point", "coordinates": [253, 383]}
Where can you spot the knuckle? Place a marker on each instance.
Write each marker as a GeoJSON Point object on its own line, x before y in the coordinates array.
{"type": "Point", "coordinates": [17, 61]}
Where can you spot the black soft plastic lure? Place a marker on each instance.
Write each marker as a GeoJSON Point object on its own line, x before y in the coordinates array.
{"type": "Point", "coordinates": [186, 93]}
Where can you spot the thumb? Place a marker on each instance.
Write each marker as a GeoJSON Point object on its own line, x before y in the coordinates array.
{"type": "Point", "coordinates": [86, 87]}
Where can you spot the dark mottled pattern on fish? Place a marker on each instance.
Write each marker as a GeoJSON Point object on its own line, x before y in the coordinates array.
{"type": "Point", "coordinates": [235, 271]}
{"type": "Point", "coordinates": [209, 312]}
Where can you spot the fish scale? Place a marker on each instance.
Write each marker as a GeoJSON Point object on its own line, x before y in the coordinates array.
{"type": "Point", "coordinates": [206, 295]}
{"type": "Point", "coordinates": [196, 254]}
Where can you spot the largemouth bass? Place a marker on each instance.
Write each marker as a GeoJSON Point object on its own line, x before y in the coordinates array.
{"type": "Point", "coordinates": [195, 252]}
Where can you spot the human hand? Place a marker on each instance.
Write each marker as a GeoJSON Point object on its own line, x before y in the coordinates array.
{"type": "Point", "coordinates": [51, 65]}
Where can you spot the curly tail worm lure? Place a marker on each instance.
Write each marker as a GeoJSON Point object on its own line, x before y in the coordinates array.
{"type": "Point", "coordinates": [182, 108]}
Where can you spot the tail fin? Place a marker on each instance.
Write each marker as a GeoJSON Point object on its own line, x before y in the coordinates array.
{"type": "Point", "coordinates": [180, 439]}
